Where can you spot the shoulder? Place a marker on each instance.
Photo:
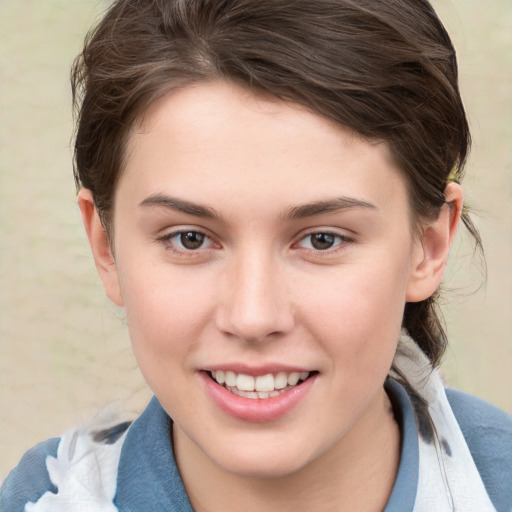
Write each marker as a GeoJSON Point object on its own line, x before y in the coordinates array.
{"type": "Point", "coordinates": [487, 429]}
{"type": "Point", "coordinates": [51, 475]}
{"type": "Point", "coordinates": [488, 434]}
{"type": "Point", "coordinates": [29, 480]}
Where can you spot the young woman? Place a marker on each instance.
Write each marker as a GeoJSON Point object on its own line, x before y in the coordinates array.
{"type": "Point", "coordinates": [270, 190]}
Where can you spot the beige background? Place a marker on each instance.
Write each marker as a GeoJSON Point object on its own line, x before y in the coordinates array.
{"type": "Point", "coordinates": [64, 349]}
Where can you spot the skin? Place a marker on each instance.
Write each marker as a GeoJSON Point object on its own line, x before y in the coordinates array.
{"type": "Point", "coordinates": [258, 293]}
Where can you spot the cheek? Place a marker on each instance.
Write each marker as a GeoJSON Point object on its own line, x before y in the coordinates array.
{"type": "Point", "coordinates": [165, 310]}
{"type": "Point", "coordinates": [166, 315]}
{"type": "Point", "coordinates": [358, 315]}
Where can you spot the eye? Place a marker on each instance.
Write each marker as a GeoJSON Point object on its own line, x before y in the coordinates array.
{"type": "Point", "coordinates": [191, 239]}
{"type": "Point", "coordinates": [322, 241]}
{"type": "Point", "coordinates": [187, 240]}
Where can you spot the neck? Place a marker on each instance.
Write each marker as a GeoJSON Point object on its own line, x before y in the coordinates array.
{"type": "Point", "coordinates": [358, 473]}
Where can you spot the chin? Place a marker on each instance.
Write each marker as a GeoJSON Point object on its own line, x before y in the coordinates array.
{"type": "Point", "coordinates": [263, 470]}
{"type": "Point", "coordinates": [263, 464]}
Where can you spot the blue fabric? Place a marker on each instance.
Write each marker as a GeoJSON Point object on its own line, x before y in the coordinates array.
{"type": "Point", "coordinates": [488, 433]}
{"type": "Point", "coordinates": [148, 479]}
{"type": "Point", "coordinates": [404, 491]}
{"type": "Point", "coordinates": [29, 480]}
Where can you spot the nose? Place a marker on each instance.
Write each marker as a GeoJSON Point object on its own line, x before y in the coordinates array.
{"type": "Point", "coordinates": [255, 303]}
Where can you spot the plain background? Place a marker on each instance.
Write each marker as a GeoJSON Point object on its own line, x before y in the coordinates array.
{"type": "Point", "coordinates": [64, 350]}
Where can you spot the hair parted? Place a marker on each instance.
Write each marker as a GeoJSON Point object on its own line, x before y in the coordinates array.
{"type": "Point", "coordinates": [384, 68]}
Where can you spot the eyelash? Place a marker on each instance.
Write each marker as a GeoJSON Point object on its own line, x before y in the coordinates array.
{"type": "Point", "coordinates": [340, 242]}
{"type": "Point", "coordinates": [184, 251]}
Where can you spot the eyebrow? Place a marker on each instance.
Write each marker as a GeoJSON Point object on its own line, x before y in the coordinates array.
{"type": "Point", "coordinates": [180, 205]}
{"type": "Point", "coordinates": [291, 213]}
{"type": "Point", "coordinates": [322, 207]}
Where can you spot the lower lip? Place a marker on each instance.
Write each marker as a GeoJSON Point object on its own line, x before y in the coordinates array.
{"type": "Point", "coordinates": [257, 410]}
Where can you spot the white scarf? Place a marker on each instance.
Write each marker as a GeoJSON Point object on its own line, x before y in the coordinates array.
{"type": "Point", "coordinates": [85, 472]}
{"type": "Point", "coordinates": [446, 483]}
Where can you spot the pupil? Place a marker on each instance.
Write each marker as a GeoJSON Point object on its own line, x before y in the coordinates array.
{"type": "Point", "coordinates": [192, 240]}
{"type": "Point", "coordinates": [322, 241]}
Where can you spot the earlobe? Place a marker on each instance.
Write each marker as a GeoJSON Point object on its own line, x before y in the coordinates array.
{"type": "Point", "coordinates": [101, 250]}
{"type": "Point", "coordinates": [431, 252]}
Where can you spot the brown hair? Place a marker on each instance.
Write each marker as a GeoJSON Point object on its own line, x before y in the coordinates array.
{"type": "Point", "coordinates": [385, 68]}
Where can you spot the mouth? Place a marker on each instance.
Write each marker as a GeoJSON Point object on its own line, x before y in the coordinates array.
{"type": "Point", "coordinates": [261, 387]}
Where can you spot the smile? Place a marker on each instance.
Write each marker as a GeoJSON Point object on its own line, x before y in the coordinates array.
{"type": "Point", "coordinates": [259, 397]}
{"type": "Point", "coordinates": [262, 386]}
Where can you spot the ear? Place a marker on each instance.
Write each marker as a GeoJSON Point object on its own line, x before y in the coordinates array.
{"type": "Point", "coordinates": [98, 240]}
{"type": "Point", "coordinates": [431, 252]}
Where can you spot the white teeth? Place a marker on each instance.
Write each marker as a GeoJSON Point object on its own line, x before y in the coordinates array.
{"type": "Point", "coordinates": [263, 386]}
{"type": "Point", "coordinates": [264, 383]}
{"type": "Point", "coordinates": [230, 378]}
{"type": "Point", "coordinates": [245, 394]}
{"type": "Point", "coordinates": [281, 380]}
{"type": "Point", "coordinates": [245, 382]}
{"type": "Point", "coordinates": [293, 378]}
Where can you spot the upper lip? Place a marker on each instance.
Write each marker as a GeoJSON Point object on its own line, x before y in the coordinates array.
{"type": "Point", "coordinates": [255, 371]}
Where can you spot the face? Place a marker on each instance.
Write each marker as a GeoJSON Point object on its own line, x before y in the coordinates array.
{"type": "Point", "coordinates": [264, 247]}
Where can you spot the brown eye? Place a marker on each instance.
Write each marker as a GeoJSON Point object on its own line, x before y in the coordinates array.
{"type": "Point", "coordinates": [322, 241]}
{"type": "Point", "coordinates": [191, 240]}
{"type": "Point", "coordinates": [187, 243]}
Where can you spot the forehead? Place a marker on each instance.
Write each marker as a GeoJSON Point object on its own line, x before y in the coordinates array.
{"type": "Point", "coordinates": [218, 137]}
